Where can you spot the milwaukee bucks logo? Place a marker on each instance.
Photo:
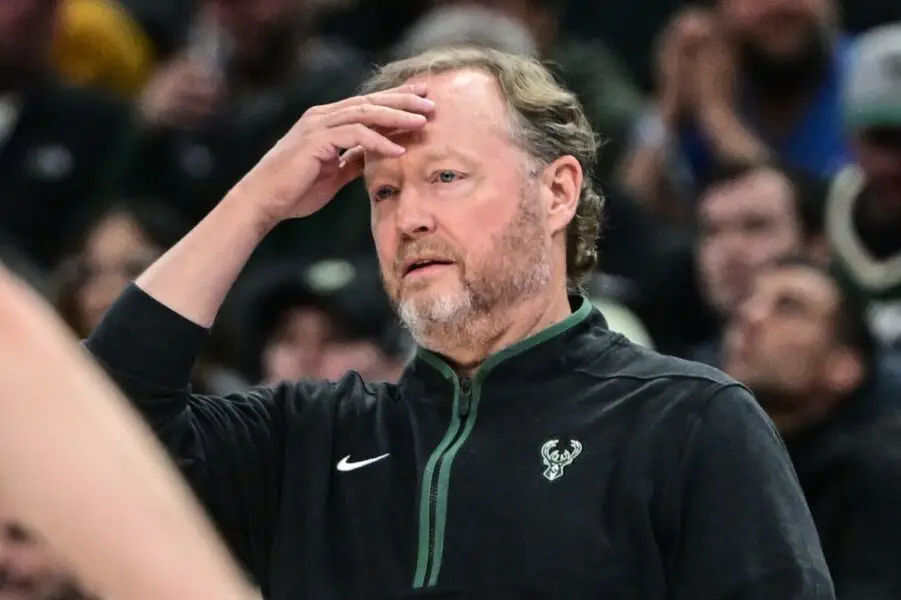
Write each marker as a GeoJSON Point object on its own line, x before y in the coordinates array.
{"type": "Point", "coordinates": [556, 458]}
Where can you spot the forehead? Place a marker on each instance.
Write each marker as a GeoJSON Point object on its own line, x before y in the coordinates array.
{"type": "Point", "coordinates": [761, 193]}
{"type": "Point", "coordinates": [807, 286]}
{"type": "Point", "coordinates": [470, 119]}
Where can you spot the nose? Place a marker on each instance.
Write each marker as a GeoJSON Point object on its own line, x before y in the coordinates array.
{"type": "Point", "coordinates": [413, 217]}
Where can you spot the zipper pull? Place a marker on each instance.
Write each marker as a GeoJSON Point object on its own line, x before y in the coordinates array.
{"type": "Point", "coordinates": [465, 396]}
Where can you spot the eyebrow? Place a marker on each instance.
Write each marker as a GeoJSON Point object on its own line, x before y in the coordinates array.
{"type": "Point", "coordinates": [427, 156]}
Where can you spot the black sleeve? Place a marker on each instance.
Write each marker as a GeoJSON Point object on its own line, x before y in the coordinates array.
{"type": "Point", "coordinates": [230, 448]}
{"type": "Point", "coordinates": [744, 529]}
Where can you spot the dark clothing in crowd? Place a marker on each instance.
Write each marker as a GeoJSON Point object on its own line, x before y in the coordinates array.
{"type": "Point", "coordinates": [850, 470]}
{"type": "Point", "coordinates": [571, 465]}
{"type": "Point", "coordinates": [192, 171]}
{"type": "Point", "coordinates": [55, 163]}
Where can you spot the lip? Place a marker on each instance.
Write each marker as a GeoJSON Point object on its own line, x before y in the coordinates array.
{"type": "Point", "coordinates": [410, 264]}
{"type": "Point", "coordinates": [425, 271]}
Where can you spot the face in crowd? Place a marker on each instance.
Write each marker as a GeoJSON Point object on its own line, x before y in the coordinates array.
{"type": "Point", "coordinates": [744, 224]}
{"type": "Point", "coordinates": [307, 343]}
{"type": "Point", "coordinates": [785, 341]}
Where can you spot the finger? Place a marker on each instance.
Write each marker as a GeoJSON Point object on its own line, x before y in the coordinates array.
{"type": "Point", "coordinates": [354, 155]}
{"type": "Point", "coordinates": [416, 90]}
{"type": "Point", "coordinates": [351, 166]}
{"type": "Point", "coordinates": [356, 134]}
{"type": "Point", "coordinates": [375, 116]}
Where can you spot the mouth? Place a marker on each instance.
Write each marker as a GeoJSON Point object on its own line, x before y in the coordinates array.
{"type": "Point", "coordinates": [424, 265]}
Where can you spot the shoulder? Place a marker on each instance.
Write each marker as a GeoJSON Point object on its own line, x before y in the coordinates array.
{"type": "Point", "coordinates": [674, 397]}
{"type": "Point", "coordinates": [636, 365]}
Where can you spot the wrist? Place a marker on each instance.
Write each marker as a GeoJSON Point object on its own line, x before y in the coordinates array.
{"type": "Point", "coordinates": [244, 212]}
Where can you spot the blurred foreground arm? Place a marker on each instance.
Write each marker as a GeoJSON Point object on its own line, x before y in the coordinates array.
{"type": "Point", "coordinates": [79, 467]}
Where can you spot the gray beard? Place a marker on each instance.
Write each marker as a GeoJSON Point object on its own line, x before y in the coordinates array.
{"type": "Point", "coordinates": [519, 269]}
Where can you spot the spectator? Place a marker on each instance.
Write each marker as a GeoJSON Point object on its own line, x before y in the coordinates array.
{"type": "Point", "coordinates": [99, 45]}
{"type": "Point", "coordinates": [247, 73]}
{"type": "Point", "coordinates": [322, 320]}
{"type": "Point", "coordinates": [744, 81]}
{"type": "Point", "coordinates": [802, 344]}
{"type": "Point", "coordinates": [749, 215]}
{"type": "Point", "coordinates": [117, 248]}
{"type": "Point", "coordinates": [863, 212]}
{"type": "Point", "coordinates": [28, 569]}
{"type": "Point", "coordinates": [57, 144]}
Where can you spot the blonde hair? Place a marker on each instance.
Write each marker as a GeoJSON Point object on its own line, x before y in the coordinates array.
{"type": "Point", "coordinates": [547, 122]}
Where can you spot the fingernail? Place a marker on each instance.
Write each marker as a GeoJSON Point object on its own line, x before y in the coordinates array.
{"type": "Point", "coordinates": [398, 150]}
{"type": "Point", "coordinates": [429, 103]}
{"type": "Point", "coordinates": [419, 88]}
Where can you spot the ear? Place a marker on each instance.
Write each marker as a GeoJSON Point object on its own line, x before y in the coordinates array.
{"type": "Point", "coordinates": [562, 181]}
{"type": "Point", "coordinates": [844, 371]}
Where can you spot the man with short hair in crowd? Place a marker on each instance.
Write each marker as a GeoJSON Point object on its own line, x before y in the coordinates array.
{"type": "Point", "coordinates": [863, 210]}
{"type": "Point", "coordinates": [802, 344]}
{"type": "Point", "coordinates": [749, 215]}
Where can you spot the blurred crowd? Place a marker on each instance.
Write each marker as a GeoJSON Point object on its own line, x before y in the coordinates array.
{"type": "Point", "coordinates": [751, 166]}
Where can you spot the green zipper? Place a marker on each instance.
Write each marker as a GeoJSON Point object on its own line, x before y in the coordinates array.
{"type": "Point", "coordinates": [436, 476]}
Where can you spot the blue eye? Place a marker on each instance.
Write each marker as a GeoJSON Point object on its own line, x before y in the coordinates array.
{"type": "Point", "coordinates": [384, 193]}
{"type": "Point", "coordinates": [446, 177]}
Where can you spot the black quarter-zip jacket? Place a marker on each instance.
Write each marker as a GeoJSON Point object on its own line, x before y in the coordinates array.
{"type": "Point", "coordinates": [572, 465]}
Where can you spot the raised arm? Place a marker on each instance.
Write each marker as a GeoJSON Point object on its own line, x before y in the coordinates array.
{"type": "Point", "coordinates": [231, 448]}
{"type": "Point", "coordinates": [78, 465]}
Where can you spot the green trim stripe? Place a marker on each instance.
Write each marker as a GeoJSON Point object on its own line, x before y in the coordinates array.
{"type": "Point", "coordinates": [444, 472]}
{"type": "Point", "coordinates": [422, 559]}
{"type": "Point", "coordinates": [444, 484]}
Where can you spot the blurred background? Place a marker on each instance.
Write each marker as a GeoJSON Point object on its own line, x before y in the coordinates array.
{"type": "Point", "coordinates": [751, 165]}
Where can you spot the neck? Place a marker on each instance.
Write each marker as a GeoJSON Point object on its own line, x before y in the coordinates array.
{"type": "Point", "coordinates": [490, 333]}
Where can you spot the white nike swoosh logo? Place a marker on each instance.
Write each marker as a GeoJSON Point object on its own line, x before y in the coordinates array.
{"type": "Point", "coordinates": [346, 465]}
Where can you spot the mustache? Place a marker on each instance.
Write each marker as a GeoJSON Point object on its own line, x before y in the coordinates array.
{"type": "Point", "coordinates": [423, 248]}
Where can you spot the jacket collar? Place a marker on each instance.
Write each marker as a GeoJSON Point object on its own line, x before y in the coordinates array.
{"type": "Point", "coordinates": [543, 357]}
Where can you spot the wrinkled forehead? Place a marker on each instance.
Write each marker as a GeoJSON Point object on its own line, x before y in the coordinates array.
{"type": "Point", "coordinates": [471, 117]}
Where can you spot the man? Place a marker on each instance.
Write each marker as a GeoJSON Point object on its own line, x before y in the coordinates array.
{"type": "Point", "coordinates": [80, 468]}
{"type": "Point", "coordinates": [802, 344]}
{"type": "Point", "coordinates": [749, 215]}
{"type": "Point", "coordinates": [863, 212]}
{"type": "Point", "coordinates": [745, 81]}
{"type": "Point", "coordinates": [526, 451]}
{"type": "Point", "coordinates": [56, 143]}
{"type": "Point", "coordinates": [322, 320]}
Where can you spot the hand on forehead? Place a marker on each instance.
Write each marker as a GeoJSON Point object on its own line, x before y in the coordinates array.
{"type": "Point", "coordinates": [469, 115]}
